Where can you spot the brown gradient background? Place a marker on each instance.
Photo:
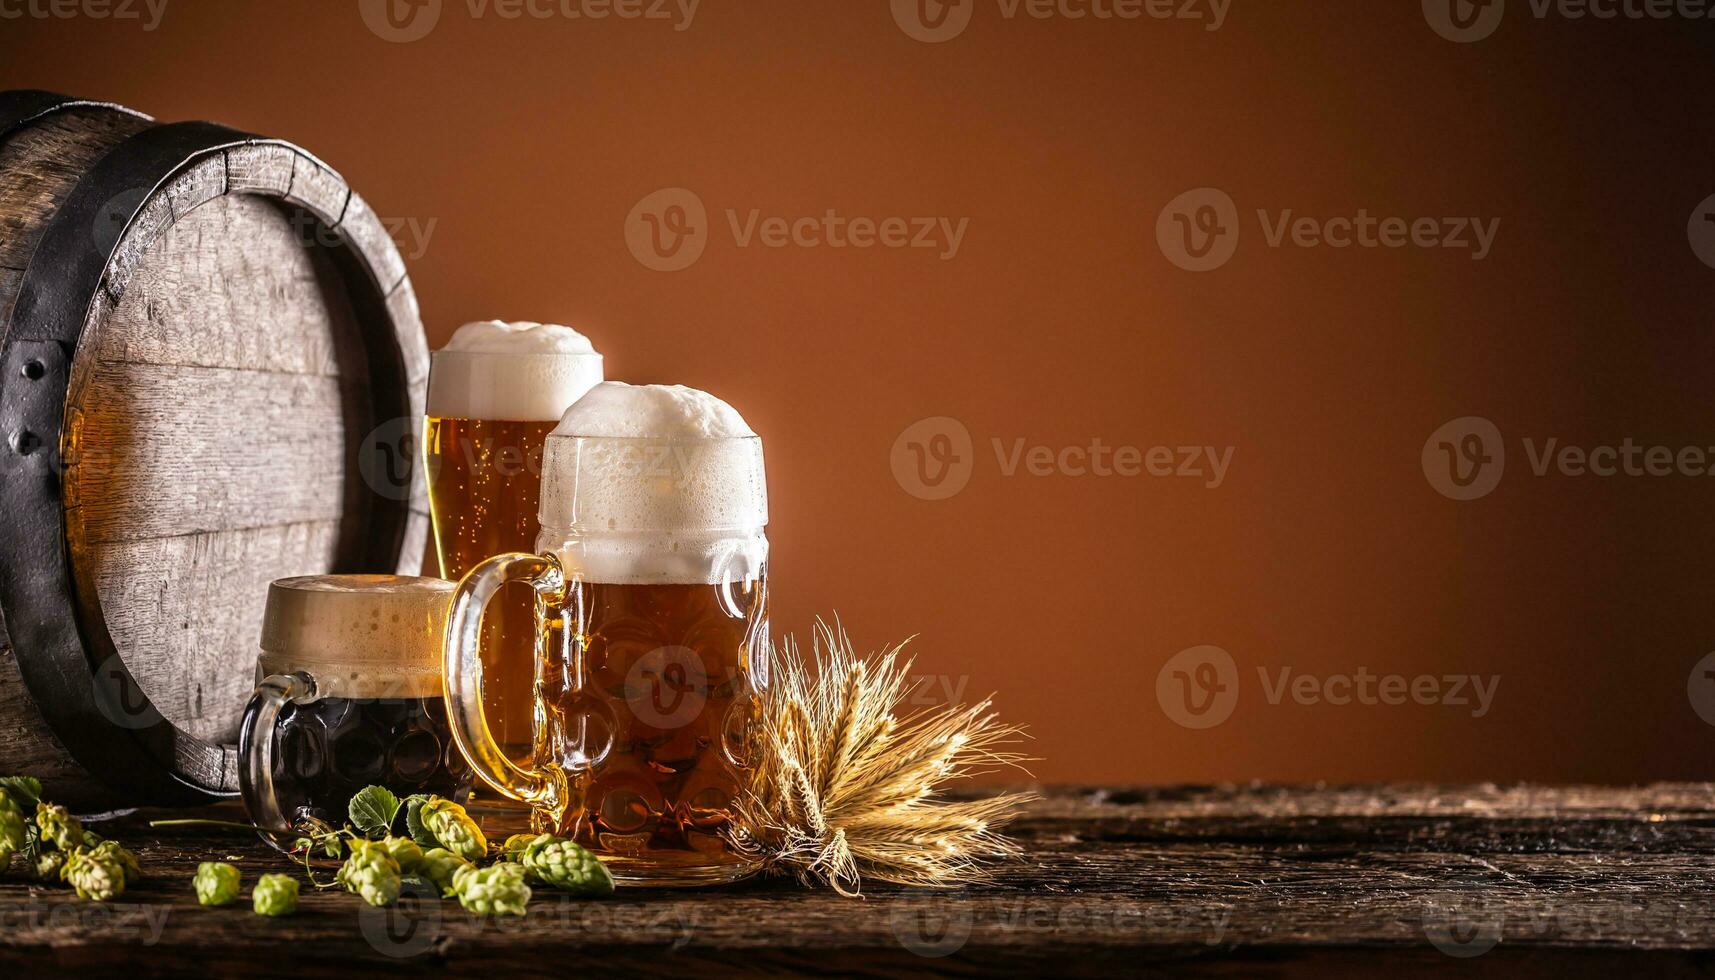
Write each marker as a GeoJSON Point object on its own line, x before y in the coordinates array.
{"type": "Point", "coordinates": [527, 142]}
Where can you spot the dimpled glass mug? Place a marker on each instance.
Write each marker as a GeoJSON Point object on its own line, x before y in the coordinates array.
{"type": "Point", "coordinates": [348, 695]}
{"type": "Point", "coordinates": [651, 634]}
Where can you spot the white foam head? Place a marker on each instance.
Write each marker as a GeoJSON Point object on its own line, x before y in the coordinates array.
{"type": "Point", "coordinates": [359, 636]}
{"type": "Point", "coordinates": [654, 484]}
{"type": "Point", "coordinates": [523, 372]}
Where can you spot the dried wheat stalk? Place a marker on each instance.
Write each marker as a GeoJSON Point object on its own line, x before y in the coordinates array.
{"type": "Point", "coordinates": [844, 790]}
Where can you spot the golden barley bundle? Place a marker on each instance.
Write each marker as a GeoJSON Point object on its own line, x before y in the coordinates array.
{"type": "Point", "coordinates": [845, 790]}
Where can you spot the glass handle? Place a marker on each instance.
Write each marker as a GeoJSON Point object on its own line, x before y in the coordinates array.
{"type": "Point", "coordinates": [256, 747]}
{"type": "Point", "coordinates": [463, 670]}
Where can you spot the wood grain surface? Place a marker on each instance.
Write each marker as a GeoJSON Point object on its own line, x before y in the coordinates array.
{"type": "Point", "coordinates": [1205, 881]}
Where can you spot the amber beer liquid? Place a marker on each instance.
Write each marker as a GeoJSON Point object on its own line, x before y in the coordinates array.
{"type": "Point", "coordinates": [486, 481]}
{"type": "Point", "coordinates": [662, 692]}
{"type": "Point", "coordinates": [495, 391]}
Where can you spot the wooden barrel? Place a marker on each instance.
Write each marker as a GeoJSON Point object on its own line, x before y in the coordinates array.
{"type": "Point", "coordinates": [210, 377]}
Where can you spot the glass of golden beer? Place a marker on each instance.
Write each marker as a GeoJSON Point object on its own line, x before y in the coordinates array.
{"type": "Point", "coordinates": [651, 628]}
{"type": "Point", "coordinates": [495, 391]}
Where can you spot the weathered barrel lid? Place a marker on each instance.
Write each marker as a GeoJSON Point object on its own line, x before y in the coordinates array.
{"type": "Point", "coordinates": [53, 612]}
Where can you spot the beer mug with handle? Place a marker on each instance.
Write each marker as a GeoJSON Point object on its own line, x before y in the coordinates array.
{"type": "Point", "coordinates": [651, 634]}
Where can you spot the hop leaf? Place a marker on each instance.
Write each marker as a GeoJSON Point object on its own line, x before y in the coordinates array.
{"type": "Point", "coordinates": [414, 820]}
{"type": "Point", "coordinates": [453, 829]}
{"type": "Point", "coordinates": [440, 865]}
{"type": "Point", "coordinates": [111, 850]}
{"type": "Point", "coordinates": [372, 811]}
{"type": "Point", "coordinates": [495, 890]}
{"type": "Point", "coordinates": [216, 883]}
{"type": "Point", "coordinates": [566, 866]}
{"type": "Point", "coordinates": [11, 835]}
{"type": "Point", "coordinates": [59, 826]}
{"type": "Point", "coordinates": [405, 851]}
{"type": "Point", "coordinates": [371, 873]}
{"type": "Point", "coordinates": [275, 895]}
{"type": "Point", "coordinates": [24, 789]}
{"type": "Point", "coordinates": [95, 875]}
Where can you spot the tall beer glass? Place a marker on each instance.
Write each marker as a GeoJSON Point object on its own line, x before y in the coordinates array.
{"type": "Point", "coordinates": [495, 391]}
{"type": "Point", "coordinates": [651, 632]}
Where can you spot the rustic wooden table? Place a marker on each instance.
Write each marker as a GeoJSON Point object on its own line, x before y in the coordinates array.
{"type": "Point", "coordinates": [1210, 881]}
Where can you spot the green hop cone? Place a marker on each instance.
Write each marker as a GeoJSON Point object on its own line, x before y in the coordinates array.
{"type": "Point", "coordinates": [95, 875]}
{"type": "Point", "coordinates": [405, 851]}
{"type": "Point", "coordinates": [450, 825]}
{"type": "Point", "coordinates": [11, 835]}
{"type": "Point", "coordinates": [216, 883]}
{"type": "Point", "coordinates": [370, 873]}
{"type": "Point", "coordinates": [49, 864]}
{"type": "Point", "coordinates": [495, 890]}
{"type": "Point", "coordinates": [440, 865]}
{"type": "Point", "coordinates": [566, 866]}
{"type": "Point", "coordinates": [59, 826]}
{"type": "Point", "coordinates": [275, 895]}
{"type": "Point", "coordinates": [111, 849]}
